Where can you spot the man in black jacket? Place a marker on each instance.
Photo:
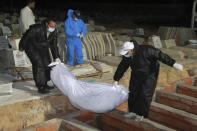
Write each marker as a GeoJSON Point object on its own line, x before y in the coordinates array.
{"type": "Point", "coordinates": [143, 60]}
{"type": "Point", "coordinates": [36, 42]}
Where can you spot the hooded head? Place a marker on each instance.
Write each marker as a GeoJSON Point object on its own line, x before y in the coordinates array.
{"type": "Point", "coordinates": [74, 14]}
{"type": "Point", "coordinates": [70, 13]}
{"type": "Point", "coordinates": [127, 49]}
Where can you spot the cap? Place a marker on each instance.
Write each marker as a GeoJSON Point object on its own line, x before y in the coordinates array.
{"type": "Point", "coordinates": [126, 47]}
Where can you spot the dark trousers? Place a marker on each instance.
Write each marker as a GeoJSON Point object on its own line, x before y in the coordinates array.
{"type": "Point", "coordinates": [40, 60]}
{"type": "Point", "coordinates": [140, 96]}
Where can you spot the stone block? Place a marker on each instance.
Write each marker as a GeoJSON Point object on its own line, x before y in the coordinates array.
{"type": "Point", "coordinates": [170, 88]}
{"type": "Point", "coordinates": [117, 120]}
{"type": "Point", "coordinates": [168, 43]}
{"type": "Point", "coordinates": [5, 87]}
{"type": "Point", "coordinates": [185, 34]}
{"type": "Point", "coordinates": [99, 28]}
{"type": "Point", "coordinates": [15, 58]}
{"type": "Point", "coordinates": [6, 31]}
{"type": "Point", "coordinates": [177, 101]}
{"type": "Point", "coordinates": [139, 31]}
{"type": "Point", "coordinates": [90, 28]}
{"type": "Point", "coordinates": [85, 116]}
{"type": "Point", "coordinates": [91, 22]}
{"type": "Point", "coordinates": [4, 43]}
{"type": "Point", "coordinates": [173, 118]}
{"type": "Point", "coordinates": [164, 32]}
{"type": "Point", "coordinates": [157, 42]}
{"type": "Point", "coordinates": [167, 32]}
{"type": "Point", "coordinates": [182, 34]}
{"type": "Point", "coordinates": [187, 90]}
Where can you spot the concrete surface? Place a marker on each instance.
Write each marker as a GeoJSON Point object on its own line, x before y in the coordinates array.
{"type": "Point", "coordinates": [24, 91]}
{"type": "Point", "coordinates": [26, 107]}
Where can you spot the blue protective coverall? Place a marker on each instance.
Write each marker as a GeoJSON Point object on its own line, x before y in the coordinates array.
{"type": "Point", "coordinates": [74, 46]}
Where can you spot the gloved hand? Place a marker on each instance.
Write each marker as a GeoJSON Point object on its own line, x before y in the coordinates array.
{"type": "Point", "coordinates": [81, 35]}
{"type": "Point", "coordinates": [178, 66]}
{"type": "Point", "coordinates": [115, 84]}
{"type": "Point", "coordinates": [78, 35]}
{"type": "Point", "coordinates": [58, 60]}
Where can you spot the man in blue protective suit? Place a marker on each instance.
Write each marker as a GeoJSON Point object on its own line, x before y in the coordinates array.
{"type": "Point", "coordinates": [75, 30]}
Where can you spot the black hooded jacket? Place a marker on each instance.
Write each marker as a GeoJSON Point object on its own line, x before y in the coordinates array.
{"type": "Point", "coordinates": [35, 38]}
{"type": "Point", "coordinates": [144, 61]}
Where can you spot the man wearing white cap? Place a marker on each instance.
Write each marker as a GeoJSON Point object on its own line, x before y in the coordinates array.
{"type": "Point", "coordinates": [143, 60]}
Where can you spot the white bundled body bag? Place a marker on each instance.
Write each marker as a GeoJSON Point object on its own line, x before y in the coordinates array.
{"type": "Point", "coordinates": [90, 96]}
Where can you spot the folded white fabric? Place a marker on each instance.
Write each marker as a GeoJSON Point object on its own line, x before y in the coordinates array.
{"type": "Point", "coordinates": [90, 96]}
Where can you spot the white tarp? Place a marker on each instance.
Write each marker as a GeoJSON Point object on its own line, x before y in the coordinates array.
{"type": "Point", "coordinates": [89, 96]}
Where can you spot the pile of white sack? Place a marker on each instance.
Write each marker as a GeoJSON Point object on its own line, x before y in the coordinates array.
{"type": "Point", "coordinates": [90, 96]}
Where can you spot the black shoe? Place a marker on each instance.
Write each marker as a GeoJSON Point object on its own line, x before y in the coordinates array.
{"type": "Point", "coordinates": [43, 90]}
{"type": "Point", "coordinates": [49, 87]}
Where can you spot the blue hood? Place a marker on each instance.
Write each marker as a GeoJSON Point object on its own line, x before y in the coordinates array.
{"type": "Point", "coordinates": [70, 13]}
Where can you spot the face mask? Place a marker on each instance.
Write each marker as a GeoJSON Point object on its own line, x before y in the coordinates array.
{"type": "Point", "coordinates": [75, 19]}
{"type": "Point", "coordinates": [51, 29]}
{"type": "Point", "coordinates": [127, 56]}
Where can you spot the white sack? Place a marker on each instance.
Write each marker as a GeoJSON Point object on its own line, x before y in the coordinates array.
{"type": "Point", "coordinates": [90, 96]}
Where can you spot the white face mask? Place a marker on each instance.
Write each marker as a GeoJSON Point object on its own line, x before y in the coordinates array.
{"type": "Point", "coordinates": [51, 29]}
{"type": "Point", "coordinates": [75, 19]}
{"type": "Point", "coordinates": [127, 56]}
